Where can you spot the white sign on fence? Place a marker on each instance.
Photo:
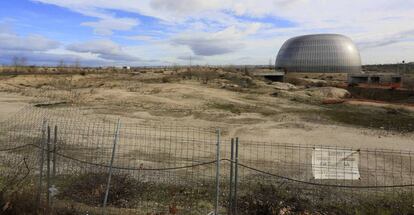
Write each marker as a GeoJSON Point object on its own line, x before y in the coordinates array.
{"type": "Point", "coordinates": [339, 164]}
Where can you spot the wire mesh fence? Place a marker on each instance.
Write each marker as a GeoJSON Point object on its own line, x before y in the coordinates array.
{"type": "Point", "coordinates": [319, 179]}
{"type": "Point", "coordinates": [76, 164]}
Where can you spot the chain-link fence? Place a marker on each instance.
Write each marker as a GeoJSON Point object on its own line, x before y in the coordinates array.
{"type": "Point", "coordinates": [70, 163]}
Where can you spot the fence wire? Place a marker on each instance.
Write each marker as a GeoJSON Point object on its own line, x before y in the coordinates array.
{"type": "Point", "coordinates": [271, 173]}
{"type": "Point", "coordinates": [161, 168]}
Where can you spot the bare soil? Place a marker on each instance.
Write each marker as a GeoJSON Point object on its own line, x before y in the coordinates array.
{"type": "Point", "coordinates": [241, 105]}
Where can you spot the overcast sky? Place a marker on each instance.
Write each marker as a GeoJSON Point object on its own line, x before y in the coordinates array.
{"type": "Point", "coordinates": [214, 32]}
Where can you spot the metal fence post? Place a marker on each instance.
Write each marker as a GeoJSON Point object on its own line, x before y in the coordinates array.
{"type": "Point", "coordinates": [41, 150]}
{"type": "Point", "coordinates": [230, 209]}
{"type": "Point", "coordinates": [54, 153]}
{"type": "Point", "coordinates": [236, 174]}
{"type": "Point", "coordinates": [216, 207]}
{"type": "Point", "coordinates": [116, 137]}
{"type": "Point", "coordinates": [48, 170]}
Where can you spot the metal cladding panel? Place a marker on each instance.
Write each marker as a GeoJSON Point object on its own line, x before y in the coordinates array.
{"type": "Point", "coordinates": [322, 53]}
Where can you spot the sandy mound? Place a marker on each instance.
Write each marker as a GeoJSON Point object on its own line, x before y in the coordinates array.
{"type": "Point", "coordinates": [283, 86]}
{"type": "Point", "coordinates": [316, 94]}
{"type": "Point", "coordinates": [328, 93]}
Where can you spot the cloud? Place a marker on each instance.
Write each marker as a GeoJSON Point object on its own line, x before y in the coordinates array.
{"type": "Point", "coordinates": [140, 38]}
{"type": "Point", "coordinates": [40, 50]}
{"type": "Point", "coordinates": [108, 25]}
{"type": "Point", "coordinates": [192, 24]}
{"type": "Point", "coordinates": [388, 40]}
{"type": "Point", "coordinates": [107, 21]}
{"type": "Point", "coordinates": [317, 11]}
{"type": "Point", "coordinates": [190, 58]}
{"type": "Point", "coordinates": [11, 41]}
{"type": "Point", "coordinates": [183, 8]}
{"type": "Point", "coordinates": [208, 46]}
{"type": "Point", "coordinates": [44, 58]}
{"type": "Point", "coordinates": [105, 49]}
{"type": "Point", "coordinates": [217, 43]}
{"type": "Point", "coordinates": [35, 48]}
{"type": "Point", "coordinates": [4, 28]}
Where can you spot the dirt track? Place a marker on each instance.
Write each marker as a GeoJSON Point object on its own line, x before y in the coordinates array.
{"type": "Point", "coordinates": [10, 104]}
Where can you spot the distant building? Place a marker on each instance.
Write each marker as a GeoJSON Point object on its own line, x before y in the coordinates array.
{"type": "Point", "coordinates": [319, 53]}
{"type": "Point", "coordinates": [126, 67]}
{"type": "Point", "coordinates": [389, 80]}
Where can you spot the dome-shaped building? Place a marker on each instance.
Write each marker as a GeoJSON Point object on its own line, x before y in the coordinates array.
{"type": "Point", "coordinates": [319, 53]}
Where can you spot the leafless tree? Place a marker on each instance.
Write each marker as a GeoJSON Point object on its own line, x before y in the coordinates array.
{"type": "Point", "coordinates": [15, 61]}
{"type": "Point", "coordinates": [77, 64]}
{"type": "Point", "coordinates": [23, 61]}
{"type": "Point", "coordinates": [61, 66]}
{"type": "Point", "coordinates": [18, 62]}
{"type": "Point", "coordinates": [61, 63]}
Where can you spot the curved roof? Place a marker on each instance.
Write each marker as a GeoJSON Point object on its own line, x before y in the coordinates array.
{"type": "Point", "coordinates": [322, 53]}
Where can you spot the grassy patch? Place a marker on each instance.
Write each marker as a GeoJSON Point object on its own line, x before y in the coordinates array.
{"type": "Point", "coordinates": [236, 109]}
{"type": "Point", "coordinates": [128, 192]}
{"type": "Point", "coordinates": [272, 200]}
{"type": "Point", "coordinates": [372, 117]}
{"type": "Point", "coordinates": [240, 108]}
{"type": "Point", "coordinates": [90, 189]}
{"type": "Point", "coordinates": [397, 96]}
{"type": "Point", "coordinates": [384, 118]}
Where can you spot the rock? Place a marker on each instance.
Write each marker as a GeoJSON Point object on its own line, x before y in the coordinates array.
{"type": "Point", "coordinates": [326, 95]}
{"type": "Point", "coordinates": [283, 86]}
{"type": "Point", "coordinates": [227, 86]}
{"type": "Point", "coordinates": [313, 82]}
{"type": "Point", "coordinates": [328, 92]}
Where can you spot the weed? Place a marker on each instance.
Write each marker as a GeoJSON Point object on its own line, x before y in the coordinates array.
{"type": "Point", "coordinates": [90, 189]}
{"type": "Point", "coordinates": [22, 201]}
{"type": "Point", "coordinates": [271, 200]}
{"type": "Point", "coordinates": [165, 79]}
{"type": "Point", "coordinates": [127, 192]}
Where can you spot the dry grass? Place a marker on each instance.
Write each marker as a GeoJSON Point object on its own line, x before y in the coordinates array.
{"type": "Point", "coordinates": [275, 200]}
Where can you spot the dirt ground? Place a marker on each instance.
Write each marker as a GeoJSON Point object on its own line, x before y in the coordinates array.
{"type": "Point", "coordinates": [10, 104]}
{"type": "Point", "coordinates": [243, 106]}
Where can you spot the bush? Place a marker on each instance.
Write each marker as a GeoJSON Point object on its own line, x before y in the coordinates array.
{"type": "Point", "coordinates": [19, 202]}
{"type": "Point", "coordinates": [204, 76]}
{"type": "Point", "coordinates": [165, 79]}
{"type": "Point", "coordinates": [240, 80]}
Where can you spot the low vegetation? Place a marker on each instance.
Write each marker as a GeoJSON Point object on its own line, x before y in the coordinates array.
{"type": "Point", "coordinates": [84, 194]}
{"type": "Point", "coordinates": [274, 200]}
{"type": "Point", "coordinates": [387, 95]}
{"type": "Point", "coordinates": [390, 119]}
{"type": "Point", "coordinates": [127, 192]}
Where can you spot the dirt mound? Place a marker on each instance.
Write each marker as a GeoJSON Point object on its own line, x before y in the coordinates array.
{"type": "Point", "coordinates": [317, 94]}
{"type": "Point", "coordinates": [309, 82]}
{"type": "Point", "coordinates": [283, 86]}
{"type": "Point", "coordinates": [327, 93]}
